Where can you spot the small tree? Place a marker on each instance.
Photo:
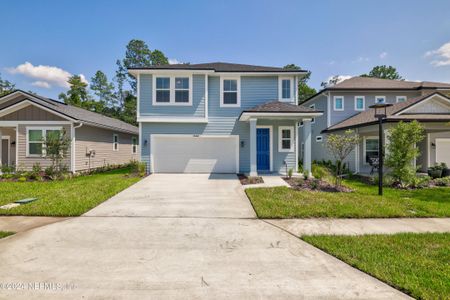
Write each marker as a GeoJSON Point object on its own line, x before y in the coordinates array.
{"type": "Point", "coordinates": [402, 151]}
{"type": "Point", "coordinates": [56, 145]}
{"type": "Point", "coordinates": [340, 146]}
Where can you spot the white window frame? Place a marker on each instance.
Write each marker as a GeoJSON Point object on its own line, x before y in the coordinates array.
{"type": "Point", "coordinates": [372, 137]}
{"type": "Point", "coordinates": [384, 99]}
{"type": "Point", "coordinates": [356, 103]}
{"type": "Point", "coordinates": [319, 139]}
{"type": "Point", "coordinates": [280, 138]}
{"type": "Point", "coordinates": [134, 145]}
{"type": "Point", "coordinates": [44, 134]}
{"type": "Point", "coordinates": [334, 103]}
{"type": "Point", "coordinates": [397, 97]}
{"type": "Point", "coordinates": [313, 106]}
{"type": "Point", "coordinates": [280, 89]}
{"type": "Point", "coordinates": [172, 90]}
{"type": "Point", "coordinates": [238, 86]}
{"type": "Point", "coordinates": [114, 142]}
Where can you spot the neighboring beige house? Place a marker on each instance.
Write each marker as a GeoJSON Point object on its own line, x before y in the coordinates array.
{"type": "Point", "coordinates": [97, 140]}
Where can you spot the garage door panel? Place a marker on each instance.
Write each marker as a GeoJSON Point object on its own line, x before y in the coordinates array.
{"type": "Point", "coordinates": [188, 154]}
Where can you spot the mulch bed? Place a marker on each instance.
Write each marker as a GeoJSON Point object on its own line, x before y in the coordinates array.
{"type": "Point", "coordinates": [249, 180]}
{"type": "Point", "coordinates": [315, 185]}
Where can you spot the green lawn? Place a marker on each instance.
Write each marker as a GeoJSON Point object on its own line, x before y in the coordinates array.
{"type": "Point", "coordinates": [417, 264]}
{"type": "Point", "coordinates": [4, 234]}
{"type": "Point", "coordinates": [71, 197]}
{"type": "Point", "coordinates": [364, 202]}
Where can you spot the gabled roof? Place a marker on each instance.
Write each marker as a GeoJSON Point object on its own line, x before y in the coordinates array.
{"type": "Point", "coordinates": [221, 67]}
{"type": "Point", "coordinates": [75, 113]}
{"type": "Point", "coordinates": [371, 83]}
{"type": "Point", "coordinates": [394, 114]}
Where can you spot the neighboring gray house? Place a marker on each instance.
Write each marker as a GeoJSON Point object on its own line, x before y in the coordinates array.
{"type": "Point", "coordinates": [346, 106]}
{"type": "Point", "coordinates": [96, 140]}
{"type": "Point", "coordinates": [220, 117]}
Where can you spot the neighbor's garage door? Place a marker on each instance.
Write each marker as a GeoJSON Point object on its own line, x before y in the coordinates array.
{"type": "Point", "coordinates": [194, 154]}
{"type": "Point", "coordinates": [443, 151]}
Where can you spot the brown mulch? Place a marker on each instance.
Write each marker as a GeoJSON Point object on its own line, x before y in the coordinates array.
{"type": "Point", "coordinates": [315, 185]}
{"type": "Point", "coordinates": [249, 180]}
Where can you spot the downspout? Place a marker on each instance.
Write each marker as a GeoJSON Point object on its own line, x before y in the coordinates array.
{"type": "Point", "coordinates": [73, 145]}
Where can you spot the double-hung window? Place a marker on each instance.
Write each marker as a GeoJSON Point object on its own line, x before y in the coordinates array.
{"type": "Point", "coordinates": [359, 103]}
{"type": "Point", "coordinates": [285, 139]}
{"type": "Point", "coordinates": [172, 90]}
{"type": "Point", "coordinates": [285, 87]}
{"type": "Point", "coordinates": [338, 103]}
{"type": "Point", "coordinates": [401, 98]}
{"type": "Point", "coordinates": [115, 142]}
{"type": "Point", "coordinates": [230, 92]}
{"type": "Point", "coordinates": [370, 148]}
{"type": "Point", "coordinates": [134, 144]}
{"type": "Point", "coordinates": [36, 138]}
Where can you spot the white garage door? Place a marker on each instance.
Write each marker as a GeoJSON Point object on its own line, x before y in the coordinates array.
{"type": "Point", "coordinates": [194, 154]}
{"type": "Point", "coordinates": [443, 151]}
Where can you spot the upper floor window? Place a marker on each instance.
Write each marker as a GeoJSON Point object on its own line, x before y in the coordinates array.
{"type": "Point", "coordinates": [285, 139]}
{"type": "Point", "coordinates": [230, 92]}
{"type": "Point", "coordinates": [172, 90]}
{"type": "Point", "coordinates": [115, 142]}
{"type": "Point", "coordinates": [285, 86]}
{"type": "Point", "coordinates": [401, 98]}
{"type": "Point", "coordinates": [359, 103]}
{"type": "Point", "coordinates": [380, 99]}
{"type": "Point", "coordinates": [338, 103]}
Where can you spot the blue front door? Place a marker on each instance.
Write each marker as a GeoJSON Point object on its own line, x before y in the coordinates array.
{"type": "Point", "coordinates": [263, 149]}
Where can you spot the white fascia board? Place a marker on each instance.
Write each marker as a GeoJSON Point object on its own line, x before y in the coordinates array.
{"type": "Point", "coordinates": [247, 115]}
{"type": "Point", "coordinates": [25, 103]}
{"type": "Point", "coordinates": [169, 72]}
{"type": "Point", "coordinates": [171, 120]}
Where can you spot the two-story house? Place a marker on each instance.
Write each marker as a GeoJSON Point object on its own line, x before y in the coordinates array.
{"type": "Point", "coordinates": [220, 118]}
{"type": "Point", "coordinates": [346, 106]}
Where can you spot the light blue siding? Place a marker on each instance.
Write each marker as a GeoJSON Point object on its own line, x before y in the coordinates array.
{"type": "Point", "coordinates": [198, 100]}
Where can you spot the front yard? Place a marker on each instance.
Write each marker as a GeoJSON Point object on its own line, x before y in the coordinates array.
{"type": "Point", "coordinates": [363, 202]}
{"type": "Point", "coordinates": [4, 234]}
{"type": "Point", "coordinates": [71, 197]}
{"type": "Point", "coordinates": [417, 264]}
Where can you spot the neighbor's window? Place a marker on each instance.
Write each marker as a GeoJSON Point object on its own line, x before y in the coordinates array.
{"type": "Point", "coordinates": [182, 90]}
{"type": "Point", "coordinates": [370, 148]}
{"type": "Point", "coordinates": [230, 92]}
{"type": "Point", "coordinates": [115, 142]}
{"type": "Point", "coordinates": [285, 139]}
{"type": "Point", "coordinates": [319, 138]}
{"type": "Point", "coordinates": [35, 141]}
{"type": "Point", "coordinates": [134, 144]}
{"type": "Point", "coordinates": [380, 99]}
{"type": "Point", "coordinates": [338, 103]}
{"type": "Point", "coordinates": [163, 89]}
{"type": "Point", "coordinates": [359, 102]}
{"type": "Point", "coordinates": [401, 98]}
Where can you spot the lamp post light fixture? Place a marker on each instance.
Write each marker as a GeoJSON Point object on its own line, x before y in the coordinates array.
{"type": "Point", "coordinates": [380, 114]}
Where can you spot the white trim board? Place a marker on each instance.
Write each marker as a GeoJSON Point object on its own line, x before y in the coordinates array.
{"type": "Point", "coordinates": [280, 89]}
{"type": "Point", "coordinates": [421, 102]}
{"type": "Point", "coordinates": [238, 87]}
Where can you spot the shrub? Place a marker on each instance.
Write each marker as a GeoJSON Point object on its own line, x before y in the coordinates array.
{"type": "Point", "coordinates": [402, 151]}
{"type": "Point", "coordinates": [50, 172]}
{"type": "Point", "coordinates": [320, 171]}
{"type": "Point", "coordinates": [6, 169]}
{"type": "Point", "coordinates": [22, 179]}
{"type": "Point", "coordinates": [290, 173]}
{"type": "Point", "coordinates": [444, 181]}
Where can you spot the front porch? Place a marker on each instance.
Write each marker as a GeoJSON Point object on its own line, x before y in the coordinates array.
{"type": "Point", "coordinates": [274, 137]}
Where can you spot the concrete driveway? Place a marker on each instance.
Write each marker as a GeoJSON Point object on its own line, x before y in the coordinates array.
{"type": "Point", "coordinates": [176, 236]}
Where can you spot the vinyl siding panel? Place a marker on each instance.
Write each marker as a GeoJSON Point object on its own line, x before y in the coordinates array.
{"type": "Point", "coordinates": [31, 113]}
{"type": "Point", "coordinates": [101, 140]}
{"type": "Point", "coordinates": [27, 163]}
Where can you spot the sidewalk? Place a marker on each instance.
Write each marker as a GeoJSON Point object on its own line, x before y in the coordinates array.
{"type": "Point", "coordinates": [23, 223]}
{"type": "Point", "coordinates": [299, 227]}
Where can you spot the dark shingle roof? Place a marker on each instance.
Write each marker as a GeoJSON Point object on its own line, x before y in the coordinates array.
{"type": "Point", "coordinates": [281, 107]}
{"type": "Point", "coordinates": [367, 117]}
{"type": "Point", "coordinates": [370, 83]}
{"type": "Point", "coordinates": [220, 67]}
{"type": "Point", "coordinates": [80, 114]}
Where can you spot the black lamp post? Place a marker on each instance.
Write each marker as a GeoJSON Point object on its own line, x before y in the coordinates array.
{"type": "Point", "coordinates": [380, 114]}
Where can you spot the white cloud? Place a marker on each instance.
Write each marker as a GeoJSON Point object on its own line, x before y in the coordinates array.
{"type": "Point", "coordinates": [333, 80]}
{"type": "Point", "coordinates": [361, 59]}
{"type": "Point", "coordinates": [383, 55]}
{"type": "Point", "coordinates": [44, 74]}
{"type": "Point", "coordinates": [174, 61]}
{"type": "Point", "coordinates": [41, 84]}
{"type": "Point", "coordinates": [441, 56]}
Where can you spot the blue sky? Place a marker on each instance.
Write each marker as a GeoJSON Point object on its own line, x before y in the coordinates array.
{"type": "Point", "coordinates": [326, 37]}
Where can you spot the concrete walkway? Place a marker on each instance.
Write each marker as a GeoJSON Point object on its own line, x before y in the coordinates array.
{"type": "Point", "coordinates": [269, 181]}
{"type": "Point", "coordinates": [299, 227]}
{"type": "Point", "coordinates": [22, 223]}
{"type": "Point", "coordinates": [176, 236]}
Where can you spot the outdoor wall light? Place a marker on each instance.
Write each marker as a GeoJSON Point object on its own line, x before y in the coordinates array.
{"type": "Point", "coordinates": [242, 144]}
{"type": "Point", "coordinates": [433, 145]}
{"type": "Point", "coordinates": [145, 142]}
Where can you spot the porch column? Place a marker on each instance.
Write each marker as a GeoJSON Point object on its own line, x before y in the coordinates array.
{"type": "Point", "coordinates": [253, 169]}
{"type": "Point", "coordinates": [307, 143]}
